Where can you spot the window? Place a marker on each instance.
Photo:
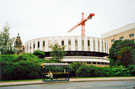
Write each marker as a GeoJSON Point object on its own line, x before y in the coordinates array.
{"type": "Point", "coordinates": [122, 37]}
{"type": "Point", "coordinates": [38, 44]}
{"type": "Point", "coordinates": [83, 44]}
{"type": "Point", "coordinates": [94, 45]}
{"type": "Point", "coordinates": [131, 35]}
{"type": "Point", "coordinates": [30, 45]}
{"type": "Point", "coordinates": [69, 42]}
{"type": "Point", "coordinates": [102, 46]}
{"type": "Point", "coordinates": [43, 43]}
{"type": "Point", "coordinates": [112, 40]}
{"type": "Point", "coordinates": [98, 45]}
{"type": "Point", "coordinates": [62, 43]}
{"type": "Point", "coordinates": [76, 45]}
{"type": "Point", "coordinates": [88, 42]}
{"type": "Point", "coordinates": [75, 42]}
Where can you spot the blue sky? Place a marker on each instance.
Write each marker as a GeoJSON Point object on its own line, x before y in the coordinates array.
{"type": "Point", "coordinates": [43, 18]}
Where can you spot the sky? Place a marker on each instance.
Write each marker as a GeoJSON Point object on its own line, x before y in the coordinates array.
{"type": "Point", "coordinates": [43, 18]}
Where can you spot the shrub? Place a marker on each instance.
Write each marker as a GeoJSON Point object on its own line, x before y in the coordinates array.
{"type": "Point", "coordinates": [24, 66]}
{"type": "Point", "coordinates": [73, 68]}
{"type": "Point", "coordinates": [131, 69]}
{"type": "Point", "coordinates": [26, 70]}
{"type": "Point", "coordinates": [39, 53]}
{"type": "Point", "coordinates": [87, 71]}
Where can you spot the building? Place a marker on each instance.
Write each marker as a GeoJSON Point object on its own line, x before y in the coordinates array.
{"type": "Point", "coordinates": [18, 45]}
{"type": "Point", "coordinates": [122, 33]}
{"type": "Point", "coordinates": [88, 50]}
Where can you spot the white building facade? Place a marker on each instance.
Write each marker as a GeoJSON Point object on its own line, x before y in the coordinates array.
{"type": "Point", "coordinates": [89, 50]}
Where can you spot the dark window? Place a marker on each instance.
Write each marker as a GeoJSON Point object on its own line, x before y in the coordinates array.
{"type": "Point", "coordinates": [75, 42]}
{"type": "Point", "coordinates": [94, 45]}
{"type": "Point", "coordinates": [122, 37]}
{"type": "Point", "coordinates": [131, 35]}
{"type": "Point", "coordinates": [112, 40]}
{"type": "Point", "coordinates": [98, 46]}
{"type": "Point", "coordinates": [83, 44]}
{"type": "Point", "coordinates": [62, 43]}
{"type": "Point", "coordinates": [43, 43]}
{"type": "Point", "coordinates": [38, 44]}
{"type": "Point", "coordinates": [88, 42]}
{"type": "Point", "coordinates": [69, 42]}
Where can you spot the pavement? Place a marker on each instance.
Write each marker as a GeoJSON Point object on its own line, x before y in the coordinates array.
{"type": "Point", "coordinates": [33, 82]}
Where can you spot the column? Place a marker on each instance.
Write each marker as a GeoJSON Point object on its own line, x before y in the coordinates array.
{"type": "Point", "coordinates": [103, 46]}
{"type": "Point", "coordinates": [46, 45]}
{"type": "Point", "coordinates": [85, 44]}
{"type": "Point", "coordinates": [79, 43]}
{"type": "Point", "coordinates": [96, 44]}
{"type": "Point", "coordinates": [72, 43]}
{"type": "Point", "coordinates": [66, 43]}
{"type": "Point", "coordinates": [91, 44]}
{"type": "Point", "coordinates": [41, 45]}
{"type": "Point", "coordinates": [100, 41]}
{"type": "Point", "coordinates": [32, 46]}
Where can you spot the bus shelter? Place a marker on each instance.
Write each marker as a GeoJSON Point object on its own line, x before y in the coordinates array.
{"type": "Point", "coordinates": [55, 72]}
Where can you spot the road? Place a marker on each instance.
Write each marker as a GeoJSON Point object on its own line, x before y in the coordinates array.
{"type": "Point", "coordinates": [80, 85]}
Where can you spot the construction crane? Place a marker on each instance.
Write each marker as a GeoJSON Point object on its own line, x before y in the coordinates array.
{"type": "Point", "coordinates": [82, 23]}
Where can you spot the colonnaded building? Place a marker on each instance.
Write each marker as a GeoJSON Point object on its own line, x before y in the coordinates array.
{"type": "Point", "coordinates": [85, 49]}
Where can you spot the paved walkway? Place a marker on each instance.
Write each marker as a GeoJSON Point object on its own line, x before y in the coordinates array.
{"type": "Point", "coordinates": [3, 84]}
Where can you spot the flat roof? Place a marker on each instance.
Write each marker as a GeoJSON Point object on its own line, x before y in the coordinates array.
{"type": "Point", "coordinates": [119, 30]}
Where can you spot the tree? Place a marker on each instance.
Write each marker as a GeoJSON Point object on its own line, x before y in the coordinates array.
{"type": "Point", "coordinates": [6, 43]}
{"type": "Point", "coordinates": [39, 53]}
{"type": "Point", "coordinates": [122, 53]}
{"type": "Point", "coordinates": [57, 52]}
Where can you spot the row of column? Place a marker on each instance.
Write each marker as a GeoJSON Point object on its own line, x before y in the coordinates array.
{"type": "Point", "coordinates": [70, 43]}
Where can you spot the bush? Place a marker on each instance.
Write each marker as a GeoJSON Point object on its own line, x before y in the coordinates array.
{"type": "Point", "coordinates": [131, 69]}
{"type": "Point", "coordinates": [25, 66]}
{"type": "Point", "coordinates": [26, 70]}
{"type": "Point", "coordinates": [93, 71]}
{"type": "Point", "coordinates": [88, 71]}
{"type": "Point", "coordinates": [73, 68]}
{"type": "Point", "coordinates": [39, 53]}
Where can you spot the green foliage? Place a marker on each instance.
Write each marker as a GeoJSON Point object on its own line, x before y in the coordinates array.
{"type": "Point", "coordinates": [87, 71]}
{"type": "Point", "coordinates": [25, 66]}
{"type": "Point", "coordinates": [6, 43]}
{"type": "Point", "coordinates": [27, 57]}
{"type": "Point", "coordinates": [57, 52]}
{"type": "Point", "coordinates": [26, 70]}
{"type": "Point", "coordinates": [132, 70]}
{"type": "Point", "coordinates": [73, 68]}
{"type": "Point", "coordinates": [39, 53]}
{"type": "Point", "coordinates": [119, 71]}
{"type": "Point", "coordinates": [8, 58]}
{"type": "Point", "coordinates": [122, 53]}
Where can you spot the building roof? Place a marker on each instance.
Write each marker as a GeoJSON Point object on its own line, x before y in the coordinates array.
{"type": "Point", "coordinates": [119, 30]}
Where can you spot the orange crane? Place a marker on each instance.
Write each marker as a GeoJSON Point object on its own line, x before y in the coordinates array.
{"type": "Point", "coordinates": [82, 23]}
